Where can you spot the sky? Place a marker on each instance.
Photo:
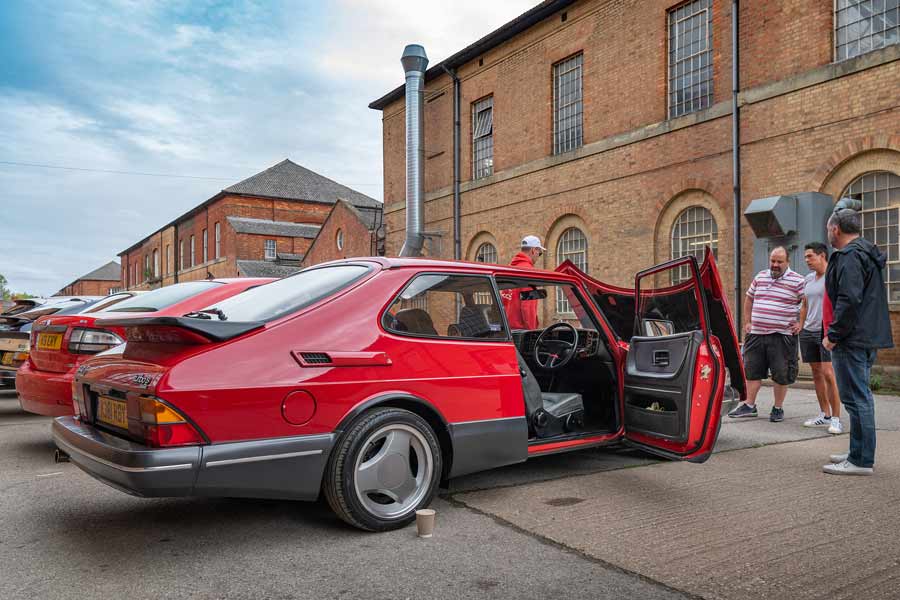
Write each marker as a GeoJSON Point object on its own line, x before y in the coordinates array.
{"type": "Point", "coordinates": [116, 116]}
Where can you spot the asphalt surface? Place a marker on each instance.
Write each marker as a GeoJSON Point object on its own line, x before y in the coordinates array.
{"type": "Point", "coordinates": [64, 535]}
{"type": "Point", "coordinates": [600, 523]}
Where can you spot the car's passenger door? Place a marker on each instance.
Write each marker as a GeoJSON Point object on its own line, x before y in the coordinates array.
{"type": "Point", "coordinates": [677, 339]}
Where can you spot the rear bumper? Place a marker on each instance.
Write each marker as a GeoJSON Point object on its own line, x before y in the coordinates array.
{"type": "Point", "coordinates": [45, 393]}
{"type": "Point", "coordinates": [7, 377]}
{"type": "Point", "coordinates": [289, 468]}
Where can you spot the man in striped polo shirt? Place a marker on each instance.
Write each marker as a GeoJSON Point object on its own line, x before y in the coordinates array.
{"type": "Point", "coordinates": [772, 306]}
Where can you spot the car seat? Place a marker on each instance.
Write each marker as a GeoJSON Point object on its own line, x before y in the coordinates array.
{"type": "Point", "coordinates": [415, 320]}
{"type": "Point", "coordinates": [549, 413]}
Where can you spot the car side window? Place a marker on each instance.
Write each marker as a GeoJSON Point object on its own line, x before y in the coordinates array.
{"type": "Point", "coordinates": [446, 305]}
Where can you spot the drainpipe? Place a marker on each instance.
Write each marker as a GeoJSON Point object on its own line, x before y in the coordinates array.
{"type": "Point", "coordinates": [457, 229]}
{"type": "Point", "coordinates": [414, 61]}
{"type": "Point", "coordinates": [736, 166]}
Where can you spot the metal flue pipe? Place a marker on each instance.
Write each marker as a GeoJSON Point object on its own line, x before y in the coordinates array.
{"type": "Point", "coordinates": [414, 61]}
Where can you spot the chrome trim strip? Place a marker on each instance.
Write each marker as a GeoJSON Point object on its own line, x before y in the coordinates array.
{"type": "Point", "coordinates": [487, 420]}
{"type": "Point", "coordinates": [250, 459]}
{"type": "Point", "coordinates": [646, 389]}
{"type": "Point", "coordinates": [73, 450]}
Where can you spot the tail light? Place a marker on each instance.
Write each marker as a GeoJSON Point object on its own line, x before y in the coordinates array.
{"type": "Point", "coordinates": [164, 426]}
{"type": "Point", "coordinates": [92, 341]}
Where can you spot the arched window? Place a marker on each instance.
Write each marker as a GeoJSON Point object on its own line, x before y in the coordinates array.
{"type": "Point", "coordinates": [879, 193]}
{"type": "Point", "coordinates": [572, 246]}
{"type": "Point", "coordinates": [486, 253]}
{"type": "Point", "coordinates": [339, 239]}
{"type": "Point", "coordinates": [693, 230]}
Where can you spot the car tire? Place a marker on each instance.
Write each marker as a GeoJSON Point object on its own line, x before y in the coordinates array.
{"type": "Point", "coordinates": [385, 466]}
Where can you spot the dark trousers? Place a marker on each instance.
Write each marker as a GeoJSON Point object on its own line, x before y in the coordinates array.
{"type": "Point", "coordinates": [851, 370]}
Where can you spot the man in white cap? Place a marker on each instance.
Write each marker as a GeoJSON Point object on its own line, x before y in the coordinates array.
{"type": "Point", "coordinates": [523, 314]}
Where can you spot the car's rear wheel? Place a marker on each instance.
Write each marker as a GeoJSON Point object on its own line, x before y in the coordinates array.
{"type": "Point", "coordinates": [387, 465]}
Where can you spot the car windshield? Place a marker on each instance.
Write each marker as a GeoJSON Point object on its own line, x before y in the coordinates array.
{"type": "Point", "coordinates": [276, 299]}
{"type": "Point", "coordinates": [105, 303]}
{"type": "Point", "coordinates": [163, 297]}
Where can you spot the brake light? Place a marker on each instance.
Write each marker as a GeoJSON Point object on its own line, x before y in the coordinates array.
{"type": "Point", "coordinates": [92, 341]}
{"type": "Point", "coordinates": [163, 426]}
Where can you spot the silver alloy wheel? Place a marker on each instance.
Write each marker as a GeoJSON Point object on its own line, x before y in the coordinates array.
{"type": "Point", "coordinates": [393, 471]}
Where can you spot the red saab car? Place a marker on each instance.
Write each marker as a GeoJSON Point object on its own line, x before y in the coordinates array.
{"type": "Point", "coordinates": [59, 344]}
{"type": "Point", "coordinates": [372, 380]}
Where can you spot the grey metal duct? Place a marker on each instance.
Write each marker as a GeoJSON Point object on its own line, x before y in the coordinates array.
{"type": "Point", "coordinates": [414, 61]}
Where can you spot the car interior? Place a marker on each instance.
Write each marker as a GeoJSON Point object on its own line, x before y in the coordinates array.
{"type": "Point", "coordinates": [568, 373]}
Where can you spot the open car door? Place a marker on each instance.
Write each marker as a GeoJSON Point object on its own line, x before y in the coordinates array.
{"type": "Point", "coordinates": [681, 341]}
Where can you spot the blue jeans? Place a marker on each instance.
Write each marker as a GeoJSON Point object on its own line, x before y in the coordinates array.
{"type": "Point", "coordinates": [851, 370]}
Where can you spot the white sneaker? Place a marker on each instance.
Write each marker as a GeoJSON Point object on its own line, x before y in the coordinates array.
{"type": "Point", "coordinates": [835, 427]}
{"type": "Point", "coordinates": [847, 468]}
{"type": "Point", "coordinates": [839, 458]}
{"type": "Point", "coordinates": [820, 421]}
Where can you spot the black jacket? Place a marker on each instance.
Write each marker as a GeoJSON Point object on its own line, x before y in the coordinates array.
{"type": "Point", "coordinates": [855, 285]}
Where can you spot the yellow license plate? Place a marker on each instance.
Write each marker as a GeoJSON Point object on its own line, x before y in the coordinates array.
{"type": "Point", "coordinates": [7, 358]}
{"type": "Point", "coordinates": [113, 411]}
{"type": "Point", "coordinates": [49, 341]}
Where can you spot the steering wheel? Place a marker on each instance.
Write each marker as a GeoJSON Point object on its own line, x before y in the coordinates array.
{"type": "Point", "coordinates": [551, 354]}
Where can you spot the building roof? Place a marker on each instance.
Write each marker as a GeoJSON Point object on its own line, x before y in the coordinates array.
{"type": "Point", "coordinates": [289, 180]}
{"type": "Point", "coordinates": [111, 271]}
{"type": "Point", "coordinates": [506, 32]}
{"type": "Point", "coordinates": [285, 181]}
{"type": "Point", "coordinates": [267, 227]}
{"type": "Point", "coordinates": [265, 268]}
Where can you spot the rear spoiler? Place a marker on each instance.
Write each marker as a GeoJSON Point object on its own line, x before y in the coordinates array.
{"type": "Point", "coordinates": [210, 329]}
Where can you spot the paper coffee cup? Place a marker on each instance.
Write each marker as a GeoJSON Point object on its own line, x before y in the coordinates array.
{"type": "Point", "coordinates": [425, 522]}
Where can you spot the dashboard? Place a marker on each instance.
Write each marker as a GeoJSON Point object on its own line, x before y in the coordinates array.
{"type": "Point", "coordinates": [588, 341]}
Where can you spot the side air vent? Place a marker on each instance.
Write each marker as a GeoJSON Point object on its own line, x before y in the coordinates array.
{"type": "Point", "coordinates": [315, 358]}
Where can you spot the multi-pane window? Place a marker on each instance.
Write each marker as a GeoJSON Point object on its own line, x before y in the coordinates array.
{"type": "Point", "coordinates": [486, 253]}
{"type": "Point", "coordinates": [694, 230]}
{"type": "Point", "coordinates": [205, 245]}
{"type": "Point", "coordinates": [567, 105]}
{"type": "Point", "coordinates": [690, 57]}
{"type": "Point", "coordinates": [156, 263]}
{"type": "Point", "coordinates": [861, 26]}
{"type": "Point", "coordinates": [572, 246]}
{"type": "Point", "coordinates": [270, 250]}
{"type": "Point", "coordinates": [483, 138]}
{"type": "Point", "coordinates": [181, 255]}
{"type": "Point", "coordinates": [880, 195]}
{"type": "Point", "coordinates": [168, 267]}
{"type": "Point", "coordinates": [218, 240]}
{"type": "Point", "coordinates": [193, 252]}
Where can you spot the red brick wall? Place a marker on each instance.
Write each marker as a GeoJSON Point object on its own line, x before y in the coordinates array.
{"type": "Point", "coordinates": [357, 240]}
{"type": "Point", "coordinates": [232, 246]}
{"type": "Point", "coordinates": [806, 126]}
{"type": "Point", "coordinates": [88, 287]}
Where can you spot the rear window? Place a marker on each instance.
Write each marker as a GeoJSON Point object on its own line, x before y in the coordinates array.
{"type": "Point", "coordinates": [106, 303]}
{"type": "Point", "coordinates": [282, 297]}
{"type": "Point", "coordinates": [164, 297]}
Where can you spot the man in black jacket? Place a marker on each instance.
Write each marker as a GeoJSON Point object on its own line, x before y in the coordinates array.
{"type": "Point", "coordinates": [859, 326]}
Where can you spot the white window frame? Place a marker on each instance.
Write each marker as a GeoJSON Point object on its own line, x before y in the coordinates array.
{"type": "Point", "coordinates": [181, 254]}
{"type": "Point", "coordinates": [271, 251]}
{"type": "Point", "coordinates": [694, 228]}
{"type": "Point", "coordinates": [881, 28]}
{"type": "Point", "coordinates": [205, 245]}
{"type": "Point", "coordinates": [218, 240]}
{"type": "Point", "coordinates": [193, 251]}
{"type": "Point", "coordinates": [571, 112]}
{"type": "Point", "coordinates": [155, 262]}
{"type": "Point", "coordinates": [569, 247]}
{"type": "Point", "coordinates": [692, 65]}
{"type": "Point", "coordinates": [483, 138]}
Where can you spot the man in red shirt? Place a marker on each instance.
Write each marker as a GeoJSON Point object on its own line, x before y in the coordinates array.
{"type": "Point", "coordinates": [522, 314]}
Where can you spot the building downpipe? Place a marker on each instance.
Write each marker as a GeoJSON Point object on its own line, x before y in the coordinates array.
{"type": "Point", "coordinates": [457, 125]}
{"type": "Point", "coordinates": [736, 163]}
{"type": "Point", "coordinates": [414, 61]}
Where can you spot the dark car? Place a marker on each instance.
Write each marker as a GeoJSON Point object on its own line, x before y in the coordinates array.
{"type": "Point", "coordinates": [371, 380]}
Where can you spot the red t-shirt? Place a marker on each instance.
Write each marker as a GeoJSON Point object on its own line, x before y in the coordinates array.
{"type": "Point", "coordinates": [521, 314]}
{"type": "Point", "coordinates": [827, 314]}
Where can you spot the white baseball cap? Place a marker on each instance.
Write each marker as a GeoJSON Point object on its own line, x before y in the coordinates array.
{"type": "Point", "coordinates": [532, 241]}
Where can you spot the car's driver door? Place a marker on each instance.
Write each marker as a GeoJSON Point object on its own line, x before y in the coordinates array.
{"type": "Point", "coordinates": [674, 368]}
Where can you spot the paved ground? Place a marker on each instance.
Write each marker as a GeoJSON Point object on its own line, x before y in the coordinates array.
{"type": "Point", "coordinates": [593, 524]}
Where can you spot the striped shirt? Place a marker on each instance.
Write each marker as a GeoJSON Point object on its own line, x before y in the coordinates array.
{"type": "Point", "coordinates": [776, 302]}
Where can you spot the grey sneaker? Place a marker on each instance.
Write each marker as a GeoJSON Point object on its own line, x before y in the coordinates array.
{"type": "Point", "coordinates": [743, 410]}
{"type": "Point", "coordinates": [777, 415]}
{"type": "Point", "coordinates": [847, 468]}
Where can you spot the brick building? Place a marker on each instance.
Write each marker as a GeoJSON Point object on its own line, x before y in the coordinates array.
{"type": "Point", "coordinates": [99, 282]}
{"type": "Point", "coordinates": [260, 227]}
{"type": "Point", "coordinates": [604, 126]}
{"type": "Point", "coordinates": [348, 231]}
